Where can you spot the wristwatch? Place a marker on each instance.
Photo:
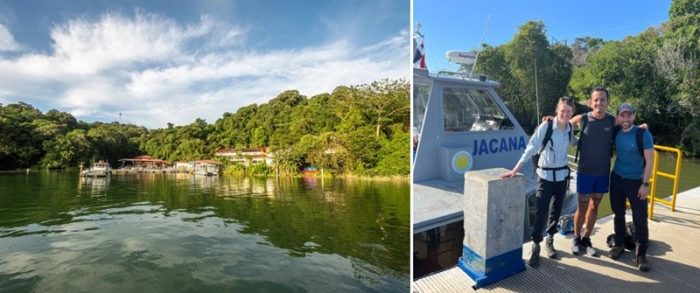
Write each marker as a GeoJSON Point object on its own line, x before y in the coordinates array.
{"type": "Point", "coordinates": [646, 183]}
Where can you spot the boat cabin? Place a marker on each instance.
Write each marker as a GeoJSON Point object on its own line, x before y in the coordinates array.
{"type": "Point", "coordinates": [206, 167]}
{"type": "Point", "coordinates": [459, 124]}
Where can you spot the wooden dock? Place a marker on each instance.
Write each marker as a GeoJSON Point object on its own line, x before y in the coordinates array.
{"type": "Point", "coordinates": [132, 171]}
{"type": "Point", "coordinates": [673, 255]}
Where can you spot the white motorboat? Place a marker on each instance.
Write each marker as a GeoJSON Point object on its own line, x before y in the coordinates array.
{"type": "Point", "coordinates": [97, 169]}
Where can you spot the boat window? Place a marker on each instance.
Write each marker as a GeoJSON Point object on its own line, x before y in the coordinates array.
{"type": "Point", "coordinates": [472, 110]}
{"type": "Point", "coordinates": [420, 103]}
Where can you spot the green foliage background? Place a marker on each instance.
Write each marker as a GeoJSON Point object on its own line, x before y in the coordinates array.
{"type": "Point", "coordinates": [353, 130]}
{"type": "Point", "coordinates": [657, 70]}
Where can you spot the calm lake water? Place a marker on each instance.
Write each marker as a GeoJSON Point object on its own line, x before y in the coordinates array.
{"type": "Point", "coordinates": [174, 233]}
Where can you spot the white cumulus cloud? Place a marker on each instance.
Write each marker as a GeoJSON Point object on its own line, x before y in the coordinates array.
{"type": "Point", "coordinates": [7, 41]}
{"type": "Point", "coordinates": [154, 70]}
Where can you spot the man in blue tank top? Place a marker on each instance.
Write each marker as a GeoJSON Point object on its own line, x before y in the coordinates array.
{"type": "Point", "coordinates": [593, 172]}
{"type": "Point", "coordinates": [630, 180]}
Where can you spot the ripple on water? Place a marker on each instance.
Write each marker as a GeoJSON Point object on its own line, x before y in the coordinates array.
{"type": "Point", "coordinates": [153, 235]}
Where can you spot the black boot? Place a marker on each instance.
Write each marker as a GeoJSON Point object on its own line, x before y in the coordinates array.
{"type": "Point", "coordinates": [616, 251]}
{"type": "Point", "coordinates": [549, 247]}
{"type": "Point", "coordinates": [641, 259]}
{"type": "Point", "coordinates": [534, 255]}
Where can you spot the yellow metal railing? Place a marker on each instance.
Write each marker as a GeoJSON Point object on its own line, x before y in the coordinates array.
{"type": "Point", "coordinates": [655, 172]}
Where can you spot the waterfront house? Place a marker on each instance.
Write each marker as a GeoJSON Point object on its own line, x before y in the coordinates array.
{"type": "Point", "coordinates": [184, 167]}
{"type": "Point", "coordinates": [247, 156]}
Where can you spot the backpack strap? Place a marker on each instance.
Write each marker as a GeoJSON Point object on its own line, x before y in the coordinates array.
{"type": "Point", "coordinates": [640, 145]}
{"type": "Point", "coordinates": [547, 138]}
{"type": "Point", "coordinates": [584, 125]}
{"type": "Point", "coordinates": [616, 130]}
{"type": "Point", "coordinates": [548, 135]}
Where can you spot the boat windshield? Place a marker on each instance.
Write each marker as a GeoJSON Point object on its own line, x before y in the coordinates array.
{"type": "Point", "coordinates": [468, 109]}
{"type": "Point", "coordinates": [420, 103]}
{"type": "Point", "coordinates": [421, 92]}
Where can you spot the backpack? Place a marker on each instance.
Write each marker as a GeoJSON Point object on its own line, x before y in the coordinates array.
{"type": "Point", "coordinates": [584, 125]}
{"type": "Point", "coordinates": [629, 238]}
{"type": "Point", "coordinates": [548, 139]}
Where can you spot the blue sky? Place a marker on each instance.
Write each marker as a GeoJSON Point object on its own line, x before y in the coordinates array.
{"type": "Point", "coordinates": [174, 61]}
{"type": "Point", "coordinates": [459, 24]}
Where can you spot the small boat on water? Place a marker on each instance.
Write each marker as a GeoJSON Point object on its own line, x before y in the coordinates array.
{"type": "Point", "coordinates": [206, 168]}
{"type": "Point", "coordinates": [97, 169]}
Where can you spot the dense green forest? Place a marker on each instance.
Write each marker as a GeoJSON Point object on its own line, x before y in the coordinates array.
{"type": "Point", "coordinates": [359, 130]}
{"type": "Point", "coordinates": [658, 71]}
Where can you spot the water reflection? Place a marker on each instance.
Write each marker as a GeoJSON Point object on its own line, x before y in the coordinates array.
{"type": "Point", "coordinates": [202, 233]}
{"type": "Point", "coordinates": [311, 182]}
{"type": "Point", "coordinates": [205, 181]}
{"type": "Point", "coordinates": [234, 186]}
{"type": "Point", "coordinates": [94, 186]}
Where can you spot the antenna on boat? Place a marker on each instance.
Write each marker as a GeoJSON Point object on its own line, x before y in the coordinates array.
{"type": "Point", "coordinates": [478, 50]}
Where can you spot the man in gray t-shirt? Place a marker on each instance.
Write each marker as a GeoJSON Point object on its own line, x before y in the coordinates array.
{"type": "Point", "coordinates": [595, 149]}
{"type": "Point", "coordinates": [593, 176]}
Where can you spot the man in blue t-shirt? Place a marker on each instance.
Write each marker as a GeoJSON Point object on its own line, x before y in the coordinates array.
{"type": "Point", "coordinates": [630, 180]}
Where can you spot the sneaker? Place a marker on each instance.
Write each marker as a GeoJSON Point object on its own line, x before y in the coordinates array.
{"type": "Point", "coordinates": [616, 251]}
{"type": "Point", "coordinates": [576, 245]}
{"type": "Point", "coordinates": [549, 248]}
{"type": "Point", "coordinates": [586, 242]}
{"type": "Point", "coordinates": [534, 255]}
{"type": "Point", "coordinates": [642, 263]}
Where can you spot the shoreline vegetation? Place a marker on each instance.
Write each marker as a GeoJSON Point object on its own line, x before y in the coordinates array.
{"type": "Point", "coordinates": [384, 178]}
{"type": "Point", "coordinates": [353, 131]}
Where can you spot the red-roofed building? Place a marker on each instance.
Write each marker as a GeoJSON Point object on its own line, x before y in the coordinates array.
{"type": "Point", "coordinates": [144, 162]}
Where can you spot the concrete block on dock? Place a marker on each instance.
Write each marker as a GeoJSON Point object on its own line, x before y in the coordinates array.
{"type": "Point", "coordinates": [494, 209]}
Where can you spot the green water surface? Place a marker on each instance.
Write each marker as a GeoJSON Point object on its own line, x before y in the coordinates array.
{"type": "Point", "coordinates": [181, 233]}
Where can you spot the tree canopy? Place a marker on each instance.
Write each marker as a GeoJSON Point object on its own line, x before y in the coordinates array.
{"type": "Point", "coordinates": [657, 70]}
{"type": "Point", "coordinates": [357, 129]}
{"type": "Point", "coordinates": [527, 58]}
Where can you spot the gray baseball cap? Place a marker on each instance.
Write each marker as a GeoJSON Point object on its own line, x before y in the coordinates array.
{"type": "Point", "coordinates": [625, 107]}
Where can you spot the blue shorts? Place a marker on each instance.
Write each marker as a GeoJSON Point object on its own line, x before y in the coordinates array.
{"type": "Point", "coordinates": [587, 184]}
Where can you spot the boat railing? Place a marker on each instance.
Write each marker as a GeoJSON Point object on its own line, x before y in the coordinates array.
{"type": "Point", "coordinates": [463, 75]}
{"type": "Point", "coordinates": [572, 162]}
{"type": "Point", "coordinates": [655, 173]}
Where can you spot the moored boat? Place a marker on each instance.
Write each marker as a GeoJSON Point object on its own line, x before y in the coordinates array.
{"type": "Point", "coordinates": [206, 168]}
{"type": "Point", "coordinates": [460, 124]}
{"type": "Point", "coordinates": [97, 169]}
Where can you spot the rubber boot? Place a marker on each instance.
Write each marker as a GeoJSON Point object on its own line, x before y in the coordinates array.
{"type": "Point", "coordinates": [641, 259]}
